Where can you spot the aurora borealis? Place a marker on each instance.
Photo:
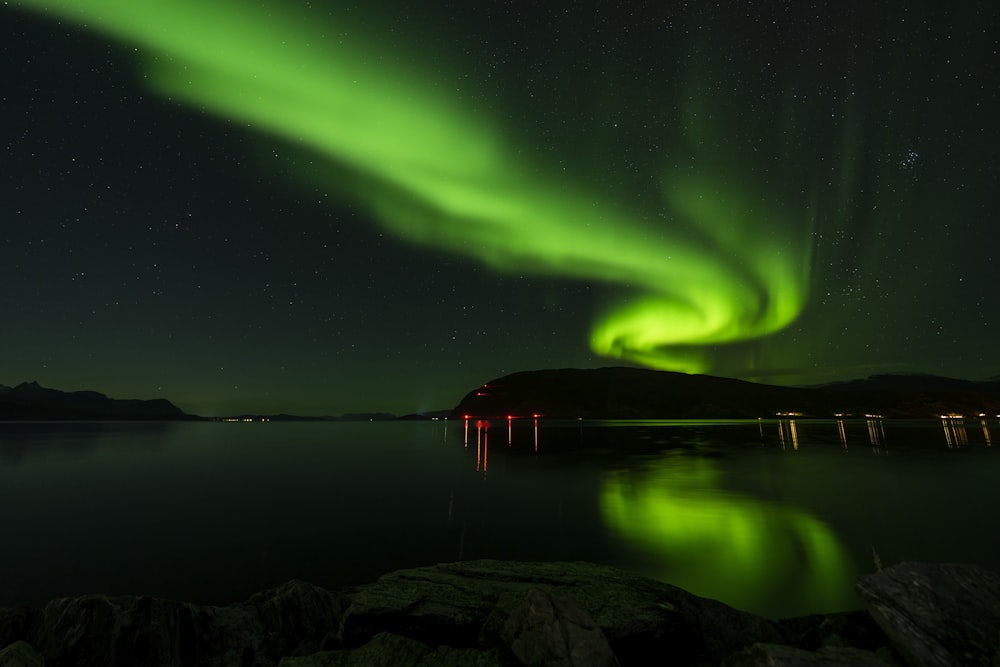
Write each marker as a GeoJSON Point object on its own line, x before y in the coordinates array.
{"type": "Point", "coordinates": [311, 207]}
{"type": "Point", "coordinates": [724, 545]}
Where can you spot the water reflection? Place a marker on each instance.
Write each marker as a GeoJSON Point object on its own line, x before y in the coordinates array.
{"type": "Point", "coordinates": [482, 439]}
{"type": "Point", "coordinates": [721, 544]}
{"type": "Point", "coordinates": [20, 441]}
{"type": "Point", "coordinates": [788, 433]}
{"type": "Point", "coordinates": [482, 443]}
{"type": "Point", "coordinates": [954, 430]}
{"type": "Point", "coordinates": [785, 432]}
{"type": "Point", "coordinates": [713, 506]}
{"type": "Point", "coordinates": [689, 502]}
{"type": "Point", "coordinates": [876, 434]}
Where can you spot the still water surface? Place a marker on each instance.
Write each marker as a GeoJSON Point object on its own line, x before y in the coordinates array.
{"type": "Point", "coordinates": [777, 517]}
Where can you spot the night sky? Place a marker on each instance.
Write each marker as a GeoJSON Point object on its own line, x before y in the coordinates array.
{"type": "Point", "coordinates": [321, 207]}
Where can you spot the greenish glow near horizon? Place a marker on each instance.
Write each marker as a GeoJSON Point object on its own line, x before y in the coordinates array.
{"type": "Point", "coordinates": [437, 170]}
{"type": "Point", "coordinates": [726, 546]}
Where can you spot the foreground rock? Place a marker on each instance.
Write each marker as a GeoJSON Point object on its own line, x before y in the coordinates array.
{"type": "Point", "coordinates": [495, 613]}
{"type": "Point", "coordinates": [548, 630]}
{"type": "Point", "coordinates": [100, 630]}
{"type": "Point", "coordinates": [937, 614]}
{"type": "Point", "coordinates": [21, 654]}
{"type": "Point", "coordinates": [468, 605]}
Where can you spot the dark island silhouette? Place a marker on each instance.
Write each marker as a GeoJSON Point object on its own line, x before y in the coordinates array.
{"type": "Point", "coordinates": [634, 393]}
{"type": "Point", "coordinates": [31, 401]}
{"type": "Point", "coordinates": [598, 393]}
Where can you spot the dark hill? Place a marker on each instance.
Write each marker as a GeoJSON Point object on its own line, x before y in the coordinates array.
{"type": "Point", "coordinates": [632, 393]}
{"type": "Point", "coordinates": [914, 382]}
{"type": "Point", "coordinates": [31, 401]}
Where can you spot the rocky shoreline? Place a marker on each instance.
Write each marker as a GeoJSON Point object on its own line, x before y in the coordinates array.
{"type": "Point", "coordinates": [498, 613]}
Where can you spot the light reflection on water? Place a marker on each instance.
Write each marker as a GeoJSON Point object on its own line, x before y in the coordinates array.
{"type": "Point", "coordinates": [694, 512]}
{"type": "Point", "coordinates": [776, 516]}
{"type": "Point", "coordinates": [723, 544]}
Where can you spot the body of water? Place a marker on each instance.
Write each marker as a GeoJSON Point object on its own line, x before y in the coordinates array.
{"type": "Point", "coordinates": [776, 517]}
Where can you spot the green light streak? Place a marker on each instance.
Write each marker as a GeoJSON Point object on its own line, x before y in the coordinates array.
{"type": "Point", "coordinates": [719, 544]}
{"type": "Point", "coordinates": [436, 170]}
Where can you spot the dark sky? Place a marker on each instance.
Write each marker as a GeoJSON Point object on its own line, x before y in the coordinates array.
{"type": "Point", "coordinates": [321, 208]}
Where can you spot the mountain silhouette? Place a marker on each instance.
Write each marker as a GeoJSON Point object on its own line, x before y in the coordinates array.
{"type": "Point", "coordinates": [31, 401]}
{"type": "Point", "coordinates": [634, 393]}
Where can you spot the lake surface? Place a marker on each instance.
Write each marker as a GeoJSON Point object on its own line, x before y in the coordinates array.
{"type": "Point", "coordinates": [775, 516]}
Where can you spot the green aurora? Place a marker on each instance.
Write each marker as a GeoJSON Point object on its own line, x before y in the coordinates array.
{"type": "Point", "coordinates": [437, 169]}
{"type": "Point", "coordinates": [725, 545]}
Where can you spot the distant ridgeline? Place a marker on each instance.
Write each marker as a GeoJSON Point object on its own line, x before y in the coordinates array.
{"type": "Point", "coordinates": [30, 401]}
{"type": "Point", "coordinates": [632, 393]}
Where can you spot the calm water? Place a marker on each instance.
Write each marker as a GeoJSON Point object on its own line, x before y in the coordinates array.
{"type": "Point", "coordinates": [777, 517]}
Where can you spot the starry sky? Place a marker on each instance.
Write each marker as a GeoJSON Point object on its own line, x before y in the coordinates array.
{"type": "Point", "coordinates": [325, 207]}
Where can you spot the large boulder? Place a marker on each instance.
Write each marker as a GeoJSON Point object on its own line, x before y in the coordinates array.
{"type": "Point", "coordinates": [389, 650]}
{"type": "Point", "coordinates": [21, 654]}
{"type": "Point", "coordinates": [937, 615]}
{"type": "Point", "coordinates": [468, 604]}
{"type": "Point", "coordinates": [126, 631]}
{"type": "Point", "coordinates": [775, 655]}
{"type": "Point", "coordinates": [549, 631]}
{"type": "Point", "coordinates": [503, 614]}
{"type": "Point", "coordinates": [855, 629]}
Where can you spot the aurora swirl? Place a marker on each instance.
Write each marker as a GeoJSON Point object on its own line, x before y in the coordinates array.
{"type": "Point", "coordinates": [439, 170]}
